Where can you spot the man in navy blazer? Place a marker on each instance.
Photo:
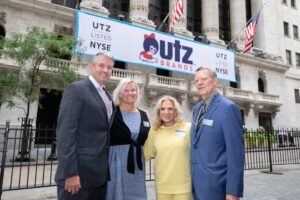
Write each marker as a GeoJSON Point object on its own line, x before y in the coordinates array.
{"type": "Point", "coordinates": [217, 149]}
{"type": "Point", "coordinates": [85, 116]}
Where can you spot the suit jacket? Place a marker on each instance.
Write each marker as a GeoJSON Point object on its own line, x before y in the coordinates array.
{"type": "Point", "coordinates": [217, 151]}
{"type": "Point", "coordinates": [83, 136]}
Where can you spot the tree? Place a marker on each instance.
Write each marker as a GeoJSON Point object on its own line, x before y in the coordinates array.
{"type": "Point", "coordinates": [34, 52]}
{"type": "Point", "coordinates": [8, 88]}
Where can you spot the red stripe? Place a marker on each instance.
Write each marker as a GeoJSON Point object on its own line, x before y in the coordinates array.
{"type": "Point", "coordinates": [177, 12]}
{"type": "Point", "coordinates": [250, 32]}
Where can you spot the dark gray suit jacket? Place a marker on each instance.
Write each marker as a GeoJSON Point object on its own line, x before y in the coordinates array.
{"type": "Point", "coordinates": [82, 136]}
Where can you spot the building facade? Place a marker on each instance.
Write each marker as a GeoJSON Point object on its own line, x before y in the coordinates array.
{"type": "Point", "coordinates": [268, 77]}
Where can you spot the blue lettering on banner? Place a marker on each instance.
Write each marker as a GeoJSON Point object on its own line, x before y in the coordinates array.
{"type": "Point", "coordinates": [167, 53]}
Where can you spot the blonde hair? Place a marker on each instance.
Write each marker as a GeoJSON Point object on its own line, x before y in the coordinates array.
{"type": "Point", "coordinates": [157, 122]}
{"type": "Point", "coordinates": [120, 88]}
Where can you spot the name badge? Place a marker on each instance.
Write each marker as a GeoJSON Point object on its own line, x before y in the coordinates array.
{"type": "Point", "coordinates": [146, 124]}
{"type": "Point", "coordinates": [180, 133]}
{"type": "Point", "coordinates": [208, 122]}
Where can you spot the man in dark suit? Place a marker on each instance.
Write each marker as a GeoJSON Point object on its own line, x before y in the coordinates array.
{"type": "Point", "coordinates": [217, 151]}
{"type": "Point", "coordinates": [84, 121]}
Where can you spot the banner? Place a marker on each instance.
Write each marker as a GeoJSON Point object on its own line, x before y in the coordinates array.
{"type": "Point", "coordinates": [142, 46]}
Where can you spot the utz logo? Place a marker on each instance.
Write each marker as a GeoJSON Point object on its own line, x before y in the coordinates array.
{"type": "Point", "coordinates": [150, 48]}
{"type": "Point", "coordinates": [170, 54]}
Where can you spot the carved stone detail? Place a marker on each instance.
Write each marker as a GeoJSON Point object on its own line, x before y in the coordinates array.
{"type": "Point", "coordinates": [94, 6]}
{"type": "Point", "coordinates": [262, 74]}
{"type": "Point", "coordinates": [3, 17]}
{"type": "Point", "coordinates": [63, 30]}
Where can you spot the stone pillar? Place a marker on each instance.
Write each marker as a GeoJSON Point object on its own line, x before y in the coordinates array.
{"type": "Point", "coordinates": [94, 6]}
{"type": "Point", "coordinates": [210, 20]}
{"type": "Point", "coordinates": [180, 26]}
{"type": "Point", "coordinates": [138, 15]}
{"type": "Point", "coordinates": [238, 22]}
{"type": "Point", "coordinates": [267, 31]}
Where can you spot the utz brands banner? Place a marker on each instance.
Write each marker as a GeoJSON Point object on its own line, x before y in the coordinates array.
{"type": "Point", "coordinates": [138, 45]}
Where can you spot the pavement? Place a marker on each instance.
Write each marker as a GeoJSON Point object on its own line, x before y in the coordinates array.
{"type": "Point", "coordinates": [283, 184]}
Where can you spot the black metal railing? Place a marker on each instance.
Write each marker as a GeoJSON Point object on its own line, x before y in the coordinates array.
{"type": "Point", "coordinates": [263, 149]}
{"type": "Point", "coordinates": [25, 164]}
{"type": "Point", "coordinates": [37, 168]}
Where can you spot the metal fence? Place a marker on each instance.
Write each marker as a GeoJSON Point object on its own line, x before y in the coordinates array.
{"type": "Point", "coordinates": [263, 149]}
{"type": "Point", "coordinates": [29, 159]}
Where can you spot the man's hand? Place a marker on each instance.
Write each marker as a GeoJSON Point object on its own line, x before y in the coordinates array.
{"type": "Point", "coordinates": [72, 184]}
{"type": "Point", "coordinates": [231, 197]}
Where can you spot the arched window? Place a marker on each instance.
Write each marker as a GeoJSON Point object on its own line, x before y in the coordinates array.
{"type": "Point", "coordinates": [261, 85]}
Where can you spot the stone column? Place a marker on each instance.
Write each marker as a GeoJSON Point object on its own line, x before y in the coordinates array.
{"type": "Point", "coordinates": [138, 15]}
{"type": "Point", "coordinates": [210, 20]}
{"type": "Point", "coordinates": [238, 22]}
{"type": "Point", "coordinates": [94, 6]}
{"type": "Point", "coordinates": [180, 26]}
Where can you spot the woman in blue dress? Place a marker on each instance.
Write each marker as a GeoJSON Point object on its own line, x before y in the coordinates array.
{"type": "Point", "coordinates": [127, 137]}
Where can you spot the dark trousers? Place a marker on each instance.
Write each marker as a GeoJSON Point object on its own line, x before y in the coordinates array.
{"type": "Point", "coordinates": [83, 194]}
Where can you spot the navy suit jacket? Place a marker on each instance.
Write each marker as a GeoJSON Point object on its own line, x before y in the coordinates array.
{"type": "Point", "coordinates": [217, 151]}
{"type": "Point", "coordinates": [83, 136]}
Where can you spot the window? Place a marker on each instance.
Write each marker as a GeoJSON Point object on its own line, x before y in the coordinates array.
{"type": "Point", "coordinates": [2, 32]}
{"type": "Point", "coordinates": [288, 57]}
{"type": "Point", "coordinates": [2, 35]}
{"type": "Point", "coordinates": [194, 16]}
{"type": "Point", "coordinates": [295, 31]}
{"type": "Point", "coordinates": [224, 20]}
{"type": "Point", "coordinates": [119, 64]}
{"type": "Point", "coordinates": [248, 10]}
{"type": "Point", "coordinates": [284, 1]}
{"type": "Point", "coordinates": [158, 10]}
{"type": "Point", "coordinates": [293, 4]}
{"type": "Point", "coordinates": [233, 84]}
{"type": "Point", "coordinates": [243, 116]}
{"type": "Point", "coordinates": [117, 9]}
{"type": "Point", "coordinates": [163, 72]}
{"type": "Point", "coordinates": [297, 96]}
{"type": "Point", "coordinates": [261, 86]}
{"type": "Point", "coordinates": [298, 60]}
{"type": "Point", "coordinates": [286, 28]}
{"type": "Point", "coordinates": [106, 4]}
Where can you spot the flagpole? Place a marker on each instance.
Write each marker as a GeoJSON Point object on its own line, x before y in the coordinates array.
{"type": "Point", "coordinates": [165, 19]}
{"type": "Point", "coordinates": [247, 23]}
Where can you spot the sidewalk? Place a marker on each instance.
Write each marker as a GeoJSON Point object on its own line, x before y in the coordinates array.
{"type": "Point", "coordinates": [258, 186]}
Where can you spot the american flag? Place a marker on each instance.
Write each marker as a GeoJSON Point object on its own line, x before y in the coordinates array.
{"type": "Point", "coordinates": [177, 12]}
{"type": "Point", "coordinates": [250, 32]}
